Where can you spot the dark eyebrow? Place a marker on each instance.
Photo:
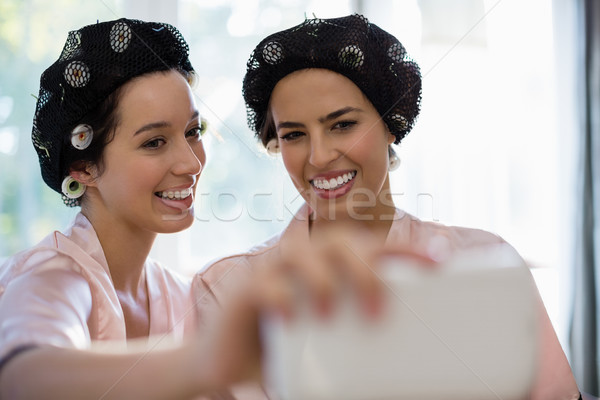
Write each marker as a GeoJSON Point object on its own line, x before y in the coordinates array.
{"type": "Point", "coordinates": [338, 113]}
{"type": "Point", "coordinates": [151, 126]}
{"type": "Point", "coordinates": [328, 117]}
{"type": "Point", "coordinates": [289, 125]}
{"type": "Point", "coordinates": [161, 124]}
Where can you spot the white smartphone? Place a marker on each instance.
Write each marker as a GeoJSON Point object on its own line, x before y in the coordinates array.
{"type": "Point", "coordinates": [466, 330]}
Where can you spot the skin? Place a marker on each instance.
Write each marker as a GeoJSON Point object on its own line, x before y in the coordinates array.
{"type": "Point", "coordinates": [121, 204]}
{"type": "Point", "coordinates": [326, 127]}
{"type": "Point", "coordinates": [221, 356]}
{"type": "Point", "coordinates": [156, 147]}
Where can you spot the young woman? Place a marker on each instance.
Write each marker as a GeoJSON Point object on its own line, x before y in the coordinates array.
{"type": "Point", "coordinates": [118, 133]}
{"type": "Point", "coordinates": [333, 95]}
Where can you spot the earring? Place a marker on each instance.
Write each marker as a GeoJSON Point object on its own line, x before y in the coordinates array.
{"type": "Point", "coordinates": [273, 147]}
{"type": "Point", "coordinates": [394, 162]}
{"type": "Point", "coordinates": [72, 189]}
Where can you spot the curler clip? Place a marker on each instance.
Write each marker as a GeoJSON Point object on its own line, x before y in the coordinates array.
{"type": "Point", "coordinates": [81, 136]}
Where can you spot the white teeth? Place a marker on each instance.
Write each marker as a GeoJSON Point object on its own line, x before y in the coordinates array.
{"type": "Point", "coordinates": [176, 195]}
{"type": "Point", "coordinates": [333, 183]}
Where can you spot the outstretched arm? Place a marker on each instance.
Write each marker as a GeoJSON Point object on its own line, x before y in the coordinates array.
{"type": "Point", "coordinates": [58, 373]}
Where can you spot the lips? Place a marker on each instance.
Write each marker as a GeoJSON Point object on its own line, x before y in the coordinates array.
{"type": "Point", "coordinates": [180, 199]}
{"type": "Point", "coordinates": [334, 184]}
{"type": "Point", "coordinates": [174, 194]}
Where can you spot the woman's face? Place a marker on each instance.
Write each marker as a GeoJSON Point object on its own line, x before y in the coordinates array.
{"type": "Point", "coordinates": [151, 167]}
{"type": "Point", "coordinates": [334, 144]}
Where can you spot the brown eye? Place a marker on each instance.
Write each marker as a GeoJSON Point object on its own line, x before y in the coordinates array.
{"type": "Point", "coordinates": [195, 133]}
{"type": "Point", "coordinates": [291, 136]}
{"type": "Point", "coordinates": [342, 125]}
{"type": "Point", "coordinates": [154, 143]}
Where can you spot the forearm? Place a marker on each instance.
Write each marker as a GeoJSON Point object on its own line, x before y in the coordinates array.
{"type": "Point", "coordinates": [54, 373]}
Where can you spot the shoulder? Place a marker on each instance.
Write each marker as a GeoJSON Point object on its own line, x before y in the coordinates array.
{"type": "Point", "coordinates": [76, 252]}
{"type": "Point", "coordinates": [220, 277]}
{"type": "Point", "coordinates": [43, 273]}
{"type": "Point", "coordinates": [421, 233]}
{"type": "Point", "coordinates": [43, 299]}
{"type": "Point", "coordinates": [51, 306]}
{"type": "Point", "coordinates": [465, 237]}
{"type": "Point", "coordinates": [236, 263]}
{"type": "Point", "coordinates": [42, 257]}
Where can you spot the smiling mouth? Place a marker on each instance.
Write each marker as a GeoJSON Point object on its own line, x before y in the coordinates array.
{"type": "Point", "coordinates": [333, 183]}
{"type": "Point", "coordinates": [174, 194]}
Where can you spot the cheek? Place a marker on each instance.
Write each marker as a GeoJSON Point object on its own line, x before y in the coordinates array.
{"type": "Point", "coordinates": [373, 162]}
{"type": "Point", "coordinates": [133, 176]}
{"type": "Point", "coordinates": [292, 161]}
{"type": "Point", "coordinates": [364, 155]}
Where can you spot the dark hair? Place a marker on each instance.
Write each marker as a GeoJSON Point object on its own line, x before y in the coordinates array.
{"type": "Point", "coordinates": [104, 120]}
{"type": "Point", "coordinates": [82, 87]}
{"type": "Point", "coordinates": [370, 57]}
{"type": "Point", "coordinates": [267, 130]}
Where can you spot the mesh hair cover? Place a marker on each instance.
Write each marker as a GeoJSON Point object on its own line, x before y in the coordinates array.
{"type": "Point", "coordinates": [94, 62]}
{"type": "Point", "coordinates": [372, 58]}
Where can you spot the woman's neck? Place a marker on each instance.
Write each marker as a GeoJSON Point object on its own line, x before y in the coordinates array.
{"type": "Point", "coordinates": [375, 220]}
{"type": "Point", "coordinates": [378, 227]}
{"type": "Point", "coordinates": [125, 250]}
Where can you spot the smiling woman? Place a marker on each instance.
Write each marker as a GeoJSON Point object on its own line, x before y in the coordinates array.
{"type": "Point", "coordinates": [117, 132]}
{"type": "Point", "coordinates": [149, 156]}
{"type": "Point", "coordinates": [486, 112]}
{"type": "Point", "coordinates": [334, 119]}
{"type": "Point", "coordinates": [314, 128]}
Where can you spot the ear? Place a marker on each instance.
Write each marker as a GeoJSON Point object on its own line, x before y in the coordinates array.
{"type": "Point", "coordinates": [391, 138]}
{"type": "Point", "coordinates": [84, 172]}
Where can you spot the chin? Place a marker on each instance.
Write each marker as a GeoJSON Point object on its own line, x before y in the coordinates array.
{"type": "Point", "coordinates": [177, 222]}
{"type": "Point", "coordinates": [330, 211]}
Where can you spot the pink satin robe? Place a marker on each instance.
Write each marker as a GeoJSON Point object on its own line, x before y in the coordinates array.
{"type": "Point", "coordinates": [554, 379]}
{"type": "Point", "coordinates": [60, 293]}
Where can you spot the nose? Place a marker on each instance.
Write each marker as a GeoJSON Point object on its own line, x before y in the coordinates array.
{"type": "Point", "coordinates": [189, 158]}
{"type": "Point", "coordinates": [322, 151]}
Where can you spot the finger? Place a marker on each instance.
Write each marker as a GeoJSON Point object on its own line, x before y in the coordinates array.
{"type": "Point", "coordinates": [312, 277]}
{"type": "Point", "coordinates": [274, 292]}
{"type": "Point", "coordinates": [358, 255]}
{"type": "Point", "coordinates": [351, 255]}
{"type": "Point", "coordinates": [233, 345]}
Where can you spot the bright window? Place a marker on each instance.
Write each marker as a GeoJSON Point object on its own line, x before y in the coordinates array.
{"type": "Point", "coordinates": [485, 151]}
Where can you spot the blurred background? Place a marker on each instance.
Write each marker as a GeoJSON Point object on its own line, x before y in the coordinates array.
{"type": "Point", "coordinates": [495, 146]}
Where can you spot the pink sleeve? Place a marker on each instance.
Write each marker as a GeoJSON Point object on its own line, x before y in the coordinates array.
{"type": "Point", "coordinates": [207, 305]}
{"type": "Point", "coordinates": [215, 284]}
{"type": "Point", "coordinates": [49, 307]}
{"type": "Point", "coordinates": [554, 379]}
